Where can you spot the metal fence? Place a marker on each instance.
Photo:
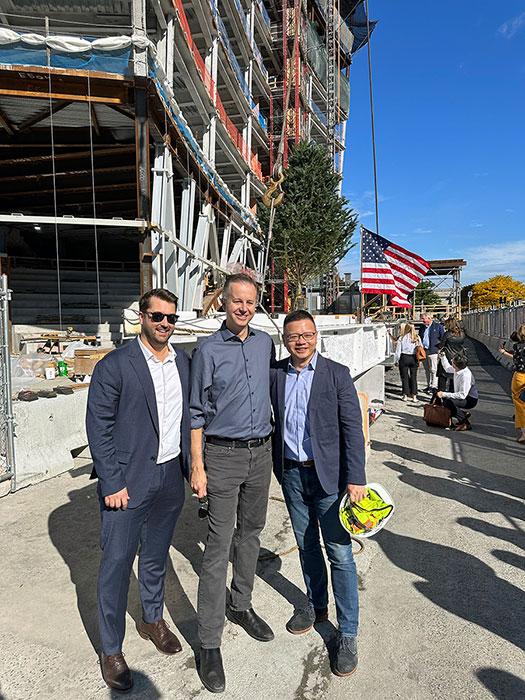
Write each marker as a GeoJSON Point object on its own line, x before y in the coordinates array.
{"type": "Point", "coordinates": [496, 323]}
{"type": "Point", "coordinates": [7, 450]}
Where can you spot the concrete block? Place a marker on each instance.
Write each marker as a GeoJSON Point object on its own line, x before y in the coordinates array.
{"type": "Point", "coordinates": [46, 431]}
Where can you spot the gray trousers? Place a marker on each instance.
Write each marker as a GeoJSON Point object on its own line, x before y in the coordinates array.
{"type": "Point", "coordinates": [238, 485]}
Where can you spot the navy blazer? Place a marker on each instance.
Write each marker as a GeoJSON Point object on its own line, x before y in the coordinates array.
{"type": "Point", "coordinates": [435, 335]}
{"type": "Point", "coordinates": [336, 428]}
{"type": "Point", "coordinates": [122, 422]}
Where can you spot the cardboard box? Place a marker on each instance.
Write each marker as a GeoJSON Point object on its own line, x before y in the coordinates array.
{"type": "Point", "coordinates": [85, 360]}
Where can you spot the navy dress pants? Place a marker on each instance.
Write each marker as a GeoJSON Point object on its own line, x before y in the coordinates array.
{"type": "Point", "coordinates": [150, 525]}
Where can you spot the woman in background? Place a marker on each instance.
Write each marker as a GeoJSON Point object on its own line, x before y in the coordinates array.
{"type": "Point", "coordinates": [518, 379]}
{"type": "Point", "coordinates": [451, 344]}
{"type": "Point", "coordinates": [405, 357]}
{"type": "Point", "coordinates": [465, 393]}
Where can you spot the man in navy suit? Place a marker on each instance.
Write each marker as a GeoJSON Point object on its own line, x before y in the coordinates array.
{"type": "Point", "coordinates": [138, 428]}
{"type": "Point", "coordinates": [431, 334]}
{"type": "Point", "coordinates": [319, 453]}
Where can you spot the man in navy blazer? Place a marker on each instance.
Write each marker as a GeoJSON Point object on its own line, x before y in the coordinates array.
{"type": "Point", "coordinates": [319, 453]}
{"type": "Point", "coordinates": [138, 427]}
{"type": "Point", "coordinates": [431, 334]}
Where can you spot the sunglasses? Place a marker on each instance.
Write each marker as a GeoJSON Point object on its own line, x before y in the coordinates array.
{"type": "Point", "coordinates": [158, 316]}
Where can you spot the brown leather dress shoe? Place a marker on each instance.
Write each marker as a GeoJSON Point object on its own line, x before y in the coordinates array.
{"type": "Point", "coordinates": [115, 672]}
{"type": "Point", "coordinates": [160, 635]}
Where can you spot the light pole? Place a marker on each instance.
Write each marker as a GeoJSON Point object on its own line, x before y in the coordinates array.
{"type": "Point", "coordinates": [469, 295]}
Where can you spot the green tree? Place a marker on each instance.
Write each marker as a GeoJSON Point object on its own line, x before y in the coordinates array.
{"type": "Point", "coordinates": [425, 294]}
{"type": "Point", "coordinates": [500, 287]}
{"type": "Point", "coordinates": [313, 226]}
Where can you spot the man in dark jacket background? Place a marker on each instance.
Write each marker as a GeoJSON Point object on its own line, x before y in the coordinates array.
{"type": "Point", "coordinates": [319, 453]}
{"type": "Point", "coordinates": [431, 334]}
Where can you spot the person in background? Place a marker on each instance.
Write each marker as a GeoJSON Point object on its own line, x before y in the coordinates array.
{"type": "Point", "coordinates": [452, 344]}
{"type": "Point", "coordinates": [431, 334]}
{"type": "Point", "coordinates": [518, 379]}
{"type": "Point", "coordinates": [465, 394]}
{"type": "Point", "coordinates": [405, 356]}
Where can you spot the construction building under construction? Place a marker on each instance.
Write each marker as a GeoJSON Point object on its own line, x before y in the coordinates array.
{"type": "Point", "coordinates": [136, 138]}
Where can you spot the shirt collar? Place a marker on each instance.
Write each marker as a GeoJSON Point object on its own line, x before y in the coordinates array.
{"type": "Point", "coordinates": [228, 335]}
{"type": "Point", "coordinates": [150, 356]}
{"type": "Point", "coordinates": [311, 365]}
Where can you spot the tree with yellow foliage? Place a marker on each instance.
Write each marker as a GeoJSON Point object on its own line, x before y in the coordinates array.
{"type": "Point", "coordinates": [499, 289]}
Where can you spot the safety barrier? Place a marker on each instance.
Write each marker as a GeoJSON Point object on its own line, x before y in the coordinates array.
{"type": "Point", "coordinates": [211, 88]}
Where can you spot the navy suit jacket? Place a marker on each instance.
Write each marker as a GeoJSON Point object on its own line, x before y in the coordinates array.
{"type": "Point", "coordinates": [122, 422]}
{"type": "Point", "coordinates": [435, 335]}
{"type": "Point", "coordinates": [335, 422]}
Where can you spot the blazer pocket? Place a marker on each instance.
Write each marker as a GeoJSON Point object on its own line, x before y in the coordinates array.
{"type": "Point", "coordinates": [123, 457]}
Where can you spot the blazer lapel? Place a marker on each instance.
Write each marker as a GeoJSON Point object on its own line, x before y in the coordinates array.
{"type": "Point", "coordinates": [138, 361]}
{"type": "Point", "coordinates": [281, 391]}
{"type": "Point", "coordinates": [317, 383]}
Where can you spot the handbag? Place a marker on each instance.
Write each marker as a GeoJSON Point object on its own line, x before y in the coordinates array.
{"type": "Point", "coordinates": [421, 353]}
{"type": "Point", "coordinates": [437, 415]}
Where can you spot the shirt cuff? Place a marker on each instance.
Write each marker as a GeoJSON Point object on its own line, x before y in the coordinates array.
{"type": "Point", "coordinates": [197, 422]}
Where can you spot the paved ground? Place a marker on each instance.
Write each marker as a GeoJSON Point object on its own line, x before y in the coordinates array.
{"type": "Point", "coordinates": [441, 591]}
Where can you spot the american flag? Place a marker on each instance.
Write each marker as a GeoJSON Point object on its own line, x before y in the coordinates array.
{"type": "Point", "coordinates": [386, 268]}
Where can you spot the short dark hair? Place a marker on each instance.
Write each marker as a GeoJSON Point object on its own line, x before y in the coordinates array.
{"type": "Point", "coordinates": [238, 277]}
{"type": "Point", "coordinates": [163, 294]}
{"type": "Point", "coordinates": [460, 361]}
{"type": "Point", "coordinates": [299, 315]}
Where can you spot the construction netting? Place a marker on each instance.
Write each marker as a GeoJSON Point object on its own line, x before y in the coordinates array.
{"type": "Point", "coordinates": [317, 57]}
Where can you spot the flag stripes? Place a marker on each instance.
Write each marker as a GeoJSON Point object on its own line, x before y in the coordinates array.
{"type": "Point", "coordinates": [386, 268]}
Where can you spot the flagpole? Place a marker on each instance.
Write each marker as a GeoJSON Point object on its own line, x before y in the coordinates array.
{"type": "Point", "coordinates": [372, 124]}
{"type": "Point", "coordinates": [362, 304]}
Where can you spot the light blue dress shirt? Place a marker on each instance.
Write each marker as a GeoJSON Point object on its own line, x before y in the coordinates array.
{"type": "Point", "coordinates": [297, 442]}
{"type": "Point", "coordinates": [426, 339]}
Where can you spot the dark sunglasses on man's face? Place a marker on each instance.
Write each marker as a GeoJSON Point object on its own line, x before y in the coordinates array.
{"type": "Point", "coordinates": [158, 316]}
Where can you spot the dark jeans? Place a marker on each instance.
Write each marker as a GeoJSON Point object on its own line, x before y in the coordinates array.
{"type": "Point", "coordinates": [408, 372]}
{"type": "Point", "coordinates": [238, 485]}
{"type": "Point", "coordinates": [310, 507]}
{"type": "Point", "coordinates": [151, 524]}
{"type": "Point", "coordinates": [457, 407]}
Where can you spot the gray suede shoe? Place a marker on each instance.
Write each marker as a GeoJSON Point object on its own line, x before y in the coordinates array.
{"type": "Point", "coordinates": [345, 660]}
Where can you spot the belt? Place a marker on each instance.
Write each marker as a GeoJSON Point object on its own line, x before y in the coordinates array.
{"type": "Point", "coordinates": [225, 442]}
{"type": "Point", "coordinates": [292, 463]}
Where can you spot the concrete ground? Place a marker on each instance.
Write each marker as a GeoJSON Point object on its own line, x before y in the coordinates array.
{"type": "Point", "coordinates": [441, 595]}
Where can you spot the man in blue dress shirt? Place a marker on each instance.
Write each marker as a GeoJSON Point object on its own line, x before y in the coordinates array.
{"type": "Point", "coordinates": [319, 453]}
{"type": "Point", "coordinates": [230, 408]}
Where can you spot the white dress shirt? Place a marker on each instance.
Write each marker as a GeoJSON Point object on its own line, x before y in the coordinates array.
{"type": "Point", "coordinates": [464, 384]}
{"type": "Point", "coordinates": [405, 346]}
{"type": "Point", "coordinates": [168, 395]}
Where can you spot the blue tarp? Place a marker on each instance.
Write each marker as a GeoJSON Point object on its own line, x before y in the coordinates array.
{"type": "Point", "coordinates": [103, 61]}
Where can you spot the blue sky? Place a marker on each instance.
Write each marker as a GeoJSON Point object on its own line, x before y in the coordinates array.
{"type": "Point", "coordinates": [449, 93]}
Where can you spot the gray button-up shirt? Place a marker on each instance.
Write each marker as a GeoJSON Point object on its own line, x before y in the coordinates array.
{"type": "Point", "coordinates": [230, 385]}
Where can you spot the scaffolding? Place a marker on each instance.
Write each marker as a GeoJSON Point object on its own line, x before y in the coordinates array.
{"type": "Point", "coordinates": [143, 132]}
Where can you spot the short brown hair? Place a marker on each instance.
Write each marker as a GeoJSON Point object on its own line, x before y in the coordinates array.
{"type": "Point", "coordinates": [163, 294]}
{"type": "Point", "coordinates": [238, 277]}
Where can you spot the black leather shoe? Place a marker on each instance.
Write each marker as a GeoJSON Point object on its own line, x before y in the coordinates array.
{"type": "Point", "coordinates": [211, 671]}
{"type": "Point", "coordinates": [304, 619]}
{"type": "Point", "coordinates": [252, 623]}
{"type": "Point", "coordinates": [115, 672]}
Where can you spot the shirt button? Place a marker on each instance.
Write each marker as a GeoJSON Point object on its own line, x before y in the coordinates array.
{"type": "Point", "coordinates": [152, 459]}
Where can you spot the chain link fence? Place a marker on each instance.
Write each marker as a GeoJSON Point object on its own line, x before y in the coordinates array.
{"type": "Point", "coordinates": [7, 451]}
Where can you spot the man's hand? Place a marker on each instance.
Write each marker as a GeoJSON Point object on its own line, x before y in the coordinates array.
{"type": "Point", "coordinates": [117, 500]}
{"type": "Point", "coordinates": [356, 492]}
{"type": "Point", "coordinates": [439, 394]}
{"type": "Point", "coordinates": [198, 480]}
